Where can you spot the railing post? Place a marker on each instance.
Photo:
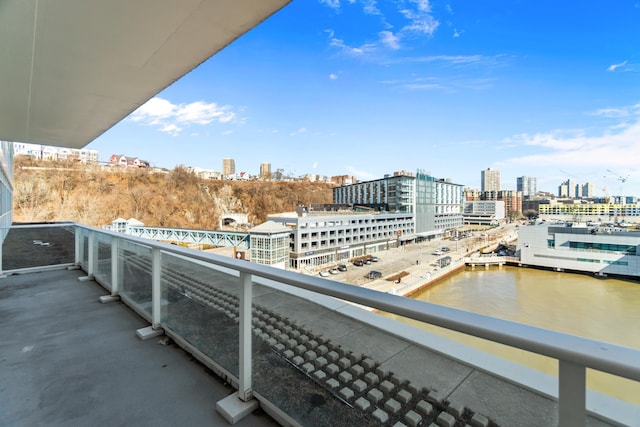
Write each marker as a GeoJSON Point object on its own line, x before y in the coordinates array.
{"type": "Point", "coordinates": [571, 394]}
{"type": "Point", "coordinates": [156, 269]}
{"type": "Point", "coordinates": [92, 255]}
{"type": "Point", "coordinates": [78, 248]}
{"type": "Point", "coordinates": [115, 264]}
{"type": "Point", "coordinates": [244, 310]}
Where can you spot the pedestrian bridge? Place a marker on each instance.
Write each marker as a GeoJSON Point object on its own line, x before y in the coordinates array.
{"type": "Point", "coordinates": [182, 235]}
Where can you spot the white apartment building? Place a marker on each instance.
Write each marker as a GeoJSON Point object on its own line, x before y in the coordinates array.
{"type": "Point", "coordinates": [322, 238]}
{"type": "Point", "coordinates": [49, 152]}
{"type": "Point", "coordinates": [484, 212]}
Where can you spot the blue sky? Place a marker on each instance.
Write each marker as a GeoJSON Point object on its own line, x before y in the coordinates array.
{"type": "Point", "coordinates": [345, 87]}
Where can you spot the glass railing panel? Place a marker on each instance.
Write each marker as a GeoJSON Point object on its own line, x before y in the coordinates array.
{"type": "Point", "coordinates": [83, 248]}
{"type": "Point", "coordinates": [35, 245]}
{"type": "Point", "coordinates": [200, 303]}
{"type": "Point", "coordinates": [321, 378]}
{"type": "Point", "coordinates": [135, 274]}
{"type": "Point", "coordinates": [103, 268]}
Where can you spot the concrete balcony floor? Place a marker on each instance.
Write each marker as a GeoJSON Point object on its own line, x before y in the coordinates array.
{"type": "Point", "coordinates": [68, 360]}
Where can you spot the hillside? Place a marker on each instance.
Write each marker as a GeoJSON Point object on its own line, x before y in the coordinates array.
{"type": "Point", "coordinates": [95, 195]}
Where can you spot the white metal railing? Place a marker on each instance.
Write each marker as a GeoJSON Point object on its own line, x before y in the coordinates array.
{"type": "Point", "coordinates": [575, 354]}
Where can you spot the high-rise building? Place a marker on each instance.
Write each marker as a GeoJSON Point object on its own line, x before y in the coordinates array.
{"type": "Point", "coordinates": [588, 190]}
{"type": "Point", "coordinates": [527, 184]}
{"type": "Point", "coordinates": [569, 189]}
{"type": "Point", "coordinates": [490, 180]}
{"type": "Point", "coordinates": [228, 166]}
{"type": "Point", "coordinates": [265, 170]}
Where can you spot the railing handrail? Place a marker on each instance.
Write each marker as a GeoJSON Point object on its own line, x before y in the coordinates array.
{"type": "Point", "coordinates": [602, 356]}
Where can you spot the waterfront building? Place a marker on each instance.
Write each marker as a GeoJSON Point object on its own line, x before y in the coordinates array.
{"type": "Point", "coordinates": [592, 249]}
{"type": "Point", "coordinates": [527, 185]}
{"type": "Point", "coordinates": [436, 203]}
{"type": "Point", "coordinates": [395, 192]}
{"type": "Point", "coordinates": [51, 153]}
{"type": "Point", "coordinates": [269, 244]}
{"type": "Point", "coordinates": [490, 180]}
{"type": "Point", "coordinates": [483, 212]}
{"type": "Point", "coordinates": [228, 167]}
{"type": "Point", "coordinates": [319, 238]}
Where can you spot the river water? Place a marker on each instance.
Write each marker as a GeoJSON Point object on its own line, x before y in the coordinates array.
{"type": "Point", "coordinates": [601, 309]}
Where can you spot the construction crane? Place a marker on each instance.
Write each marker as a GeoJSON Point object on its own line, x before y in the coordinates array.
{"type": "Point", "coordinates": [619, 177]}
{"type": "Point", "coordinates": [622, 180]}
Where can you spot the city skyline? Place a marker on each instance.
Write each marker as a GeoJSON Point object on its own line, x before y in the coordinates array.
{"type": "Point", "coordinates": [365, 88]}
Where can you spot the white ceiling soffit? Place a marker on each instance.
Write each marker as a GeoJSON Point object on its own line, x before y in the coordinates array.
{"type": "Point", "coordinates": [71, 69]}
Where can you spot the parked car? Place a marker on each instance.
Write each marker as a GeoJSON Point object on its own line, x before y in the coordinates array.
{"type": "Point", "coordinates": [358, 263]}
{"type": "Point", "coordinates": [374, 259]}
{"type": "Point", "coordinates": [374, 274]}
{"type": "Point", "coordinates": [342, 267]}
{"type": "Point", "coordinates": [334, 271]}
{"type": "Point", "coordinates": [445, 249]}
{"type": "Point", "coordinates": [324, 273]}
{"type": "Point", "coordinates": [438, 252]}
{"type": "Point", "coordinates": [367, 261]}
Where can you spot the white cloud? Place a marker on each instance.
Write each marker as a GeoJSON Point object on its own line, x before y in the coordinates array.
{"type": "Point", "coordinates": [456, 33]}
{"type": "Point", "coordinates": [226, 132]}
{"type": "Point", "coordinates": [173, 118]}
{"type": "Point", "coordinates": [389, 39]}
{"type": "Point", "coordinates": [618, 112]}
{"type": "Point", "coordinates": [613, 67]}
{"type": "Point", "coordinates": [333, 4]}
{"type": "Point", "coordinates": [420, 21]}
{"type": "Point", "coordinates": [333, 76]}
{"type": "Point", "coordinates": [613, 147]}
{"type": "Point", "coordinates": [298, 132]}
{"type": "Point", "coordinates": [371, 7]}
{"type": "Point", "coordinates": [315, 165]}
{"type": "Point", "coordinates": [354, 51]}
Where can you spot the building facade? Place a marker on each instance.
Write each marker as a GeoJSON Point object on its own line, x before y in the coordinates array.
{"type": "Point", "coordinates": [483, 212]}
{"type": "Point", "coordinates": [435, 203]}
{"type": "Point", "coordinates": [489, 180]}
{"type": "Point", "coordinates": [51, 153]}
{"type": "Point", "coordinates": [438, 205]}
{"type": "Point", "coordinates": [593, 212]}
{"type": "Point", "coordinates": [527, 185]}
{"type": "Point", "coordinates": [269, 243]}
{"type": "Point", "coordinates": [228, 166]}
{"type": "Point", "coordinates": [597, 250]}
{"type": "Point", "coordinates": [318, 239]}
{"type": "Point", "coordinates": [395, 192]}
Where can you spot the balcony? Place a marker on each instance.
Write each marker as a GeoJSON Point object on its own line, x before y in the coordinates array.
{"type": "Point", "coordinates": [306, 350]}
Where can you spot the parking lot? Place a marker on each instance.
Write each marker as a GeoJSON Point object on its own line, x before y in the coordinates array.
{"type": "Point", "coordinates": [420, 261]}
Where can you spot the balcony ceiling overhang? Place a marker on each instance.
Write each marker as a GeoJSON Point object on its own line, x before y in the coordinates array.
{"type": "Point", "coordinates": [71, 69]}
